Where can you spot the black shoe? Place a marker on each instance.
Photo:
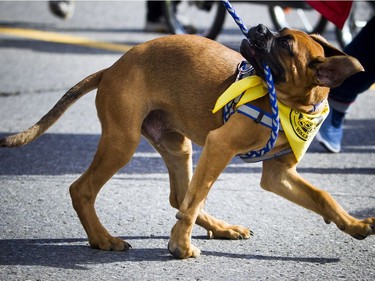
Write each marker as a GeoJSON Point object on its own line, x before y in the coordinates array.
{"type": "Point", "coordinates": [62, 9]}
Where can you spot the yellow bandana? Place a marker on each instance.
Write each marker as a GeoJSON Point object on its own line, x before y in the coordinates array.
{"type": "Point", "coordinates": [300, 128]}
{"type": "Point", "coordinates": [251, 85]}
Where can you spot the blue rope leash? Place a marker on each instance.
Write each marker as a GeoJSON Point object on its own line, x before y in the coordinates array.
{"type": "Point", "coordinates": [271, 92]}
{"type": "Point", "coordinates": [236, 18]}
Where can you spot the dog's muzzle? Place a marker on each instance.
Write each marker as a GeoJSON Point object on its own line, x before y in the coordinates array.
{"type": "Point", "coordinates": [258, 48]}
{"type": "Point", "coordinates": [261, 38]}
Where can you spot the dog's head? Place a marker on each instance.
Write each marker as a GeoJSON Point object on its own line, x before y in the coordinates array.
{"type": "Point", "coordinates": [294, 56]}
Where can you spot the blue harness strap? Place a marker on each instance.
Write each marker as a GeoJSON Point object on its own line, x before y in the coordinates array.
{"type": "Point", "coordinates": [258, 115]}
{"type": "Point", "coordinates": [228, 110]}
{"type": "Point", "coordinates": [255, 113]}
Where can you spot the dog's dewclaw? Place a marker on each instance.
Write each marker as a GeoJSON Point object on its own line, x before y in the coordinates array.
{"type": "Point", "coordinates": [179, 215]}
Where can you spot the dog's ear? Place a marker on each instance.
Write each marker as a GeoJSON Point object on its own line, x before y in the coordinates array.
{"type": "Point", "coordinates": [332, 71]}
{"type": "Point", "coordinates": [329, 50]}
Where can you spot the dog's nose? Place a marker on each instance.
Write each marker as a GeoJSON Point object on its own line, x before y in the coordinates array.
{"type": "Point", "coordinates": [262, 29]}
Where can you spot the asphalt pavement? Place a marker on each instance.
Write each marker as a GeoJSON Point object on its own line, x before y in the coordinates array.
{"type": "Point", "coordinates": [41, 237]}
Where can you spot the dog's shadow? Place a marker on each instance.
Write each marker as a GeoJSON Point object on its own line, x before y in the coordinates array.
{"type": "Point", "coordinates": [76, 254]}
{"type": "Point", "coordinates": [70, 253]}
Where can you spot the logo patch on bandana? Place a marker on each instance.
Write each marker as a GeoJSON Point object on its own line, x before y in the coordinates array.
{"type": "Point", "coordinates": [303, 125]}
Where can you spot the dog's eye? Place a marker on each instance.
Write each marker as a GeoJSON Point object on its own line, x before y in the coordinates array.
{"type": "Point", "coordinates": [286, 43]}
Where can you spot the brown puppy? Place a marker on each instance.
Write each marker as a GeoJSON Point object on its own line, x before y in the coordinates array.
{"type": "Point", "coordinates": [165, 90]}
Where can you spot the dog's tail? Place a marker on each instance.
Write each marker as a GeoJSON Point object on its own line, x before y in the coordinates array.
{"type": "Point", "coordinates": [76, 92]}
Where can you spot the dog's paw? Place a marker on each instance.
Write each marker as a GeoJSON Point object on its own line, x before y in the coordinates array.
{"type": "Point", "coordinates": [183, 252]}
{"type": "Point", "coordinates": [233, 232]}
{"type": "Point", "coordinates": [110, 244]}
{"type": "Point", "coordinates": [179, 244]}
{"type": "Point", "coordinates": [364, 229]}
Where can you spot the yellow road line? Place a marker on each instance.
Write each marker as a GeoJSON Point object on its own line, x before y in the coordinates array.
{"type": "Point", "coordinates": [69, 39]}
{"type": "Point", "coordinates": [64, 39]}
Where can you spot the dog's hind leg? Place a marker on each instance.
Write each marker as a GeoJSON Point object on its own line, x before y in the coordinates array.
{"type": "Point", "coordinates": [116, 147]}
{"type": "Point", "coordinates": [176, 151]}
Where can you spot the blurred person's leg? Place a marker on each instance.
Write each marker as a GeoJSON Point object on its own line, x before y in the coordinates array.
{"type": "Point", "coordinates": [363, 48]}
{"type": "Point", "coordinates": [155, 21]}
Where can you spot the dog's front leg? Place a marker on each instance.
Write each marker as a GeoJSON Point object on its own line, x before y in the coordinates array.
{"type": "Point", "coordinates": [203, 178]}
{"type": "Point", "coordinates": [236, 136]}
{"type": "Point", "coordinates": [214, 158]}
{"type": "Point", "coordinates": [281, 177]}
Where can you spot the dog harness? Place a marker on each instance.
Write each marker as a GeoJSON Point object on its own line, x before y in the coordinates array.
{"type": "Point", "coordinates": [299, 128]}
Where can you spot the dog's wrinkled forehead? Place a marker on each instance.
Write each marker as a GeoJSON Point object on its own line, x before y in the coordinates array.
{"type": "Point", "coordinates": [318, 46]}
{"type": "Point", "coordinates": [312, 45]}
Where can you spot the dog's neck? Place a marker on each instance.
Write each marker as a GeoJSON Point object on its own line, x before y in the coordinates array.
{"type": "Point", "coordinates": [307, 102]}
